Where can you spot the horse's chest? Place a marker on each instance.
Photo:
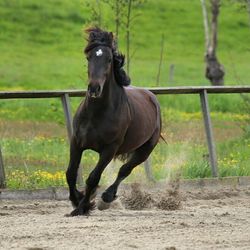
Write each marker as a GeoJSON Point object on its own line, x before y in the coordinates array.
{"type": "Point", "coordinates": [88, 132]}
{"type": "Point", "coordinates": [94, 134]}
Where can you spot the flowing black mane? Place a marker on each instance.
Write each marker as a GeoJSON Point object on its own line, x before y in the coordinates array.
{"type": "Point", "coordinates": [99, 37]}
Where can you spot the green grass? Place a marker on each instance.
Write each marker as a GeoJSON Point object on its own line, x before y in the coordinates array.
{"type": "Point", "coordinates": [190, 160]}
{"type": "Point", "coordinates": [41, 162]}
{"type": "Point", "coordinates": [41, 43]}
{"type": "Point", "coordinates": [41, 47]}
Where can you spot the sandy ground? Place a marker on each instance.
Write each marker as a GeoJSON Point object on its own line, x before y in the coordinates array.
{"type": "Point", "coordinates": [168, 220]}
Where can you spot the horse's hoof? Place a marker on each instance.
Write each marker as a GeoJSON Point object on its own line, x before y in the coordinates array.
{"type": "Point", "coordinates": [83, 210]}
{"type": "Point", "coordinates": [108, 196]}
{"type": "Point", "coordinates": [102, 205]}
{"type": "Point", "coordinates": [76, 212]}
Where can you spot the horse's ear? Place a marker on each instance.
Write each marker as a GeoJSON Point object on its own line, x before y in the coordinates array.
{"type": "Point", "coordinates": [92, 35]}
{"type": "Point", "coordinates": [93, 32]}
{"type": "Point", "coordinates": [111, 36]}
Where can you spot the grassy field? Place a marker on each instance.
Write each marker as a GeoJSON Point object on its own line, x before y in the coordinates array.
{"type": "Point", "coordinates": [41, 47]}
{"type": "Point", "coordinates": [36, 155]}
{"type": "Point", "coordinates": [41, 44]}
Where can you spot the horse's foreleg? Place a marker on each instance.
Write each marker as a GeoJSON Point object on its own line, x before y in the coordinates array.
{"type": "Point", "coordinates": [85, 204]}
{"type": "Point", "coordinates": [71, 175]}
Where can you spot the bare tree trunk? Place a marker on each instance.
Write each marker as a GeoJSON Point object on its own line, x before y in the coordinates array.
{"type": "Point", "coordinates": [99, 15]}
{"type": "Point", "coordinates": [215, 7]}
{"type": "Point", "coordinates": [205, 22]}
{"type": "Point", "coordinates": [128, 33]}
{"type": "Point", "coordinates": [214, 70]}
{"type": "Point", "coordinates": [117, 19]}
{"type": "Point", "coordinates": [248, 10]}
{"type": "Point", "coordinates": [160, 63]}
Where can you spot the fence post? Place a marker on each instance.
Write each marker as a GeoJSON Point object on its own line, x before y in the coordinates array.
{"type": "Point", "coordinates": [2, 172]}
{"type": "Point", "coordinates": [69, 123]}
{"type": "Point", "coordinates": [209, 132]}
{"type": "Point", "coordinates": [67, 114]}
{"type": "Point", "coordinates": [148, 170]}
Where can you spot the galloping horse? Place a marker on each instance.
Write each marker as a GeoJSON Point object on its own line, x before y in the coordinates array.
{"type": "Point", "coordinates": [114, 120]}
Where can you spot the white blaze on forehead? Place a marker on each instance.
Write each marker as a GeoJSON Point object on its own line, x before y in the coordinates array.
{"type": "Point", "coordinates": [99, 52]}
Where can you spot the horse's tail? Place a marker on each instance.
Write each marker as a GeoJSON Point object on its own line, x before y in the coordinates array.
{"type": "Point", "coordinates": [162, 137]}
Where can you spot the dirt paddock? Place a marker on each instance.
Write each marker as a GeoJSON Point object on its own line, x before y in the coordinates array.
{"type": "Point", "coordinates": [141, 219]}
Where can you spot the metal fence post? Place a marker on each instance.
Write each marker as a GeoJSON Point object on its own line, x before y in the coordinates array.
{"type": "Point", "coordinates": [67, 114]}
{"type": "Point", "coordinates": [69, 123]}
{"type": "Point", "coordinates": [148, 169]}
{"type": "Point", "coordinates": [2, 172]}
{"type": "Point", "coordinates": [209, 132]}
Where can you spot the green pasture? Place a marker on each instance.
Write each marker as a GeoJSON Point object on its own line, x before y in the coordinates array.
{"type": "Point", "coordinates": [41, 47]}
{"type": "Point", "coordinates": [36, 159]}
{"type": "Point", "coordinates": [41, 43]}
{"type": "Point", "coordinates": [33, 163]}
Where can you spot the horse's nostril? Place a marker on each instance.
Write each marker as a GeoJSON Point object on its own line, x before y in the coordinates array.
{"type": "Point", "coordinates": [94, 90]}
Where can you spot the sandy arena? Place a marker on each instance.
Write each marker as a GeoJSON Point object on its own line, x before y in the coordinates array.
{"type": "Point", "coordinates": [201, 219]}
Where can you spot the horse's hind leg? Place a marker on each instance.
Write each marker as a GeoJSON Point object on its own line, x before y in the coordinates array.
{"type": "Point", "coordinates": [140, 155]}
{"type": "Point", "coordinates": [71, 174]}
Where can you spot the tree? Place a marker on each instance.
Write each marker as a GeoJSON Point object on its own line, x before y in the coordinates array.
{"type": "Point", "coordinates": [124, 17]}
{"type": "Point", "coordinates": [214, 70]}
{"type": "Point", "coordinates": [118, 8]}
{"type": "Point", "coordinates": [160, 61]}
{"type": "Point", "coordinates": [248, 9]}
{"type": "Point", "coordinates": [95, 12]}
{"type": "Point", "coordinates": [246, 5]}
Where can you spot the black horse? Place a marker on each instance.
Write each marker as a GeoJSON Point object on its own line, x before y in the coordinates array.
{"type": "Point", "coordinates": [113, 120]}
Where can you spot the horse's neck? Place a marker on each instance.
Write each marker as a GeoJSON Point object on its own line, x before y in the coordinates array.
{"type": "Point", "coordinates": [112, 97]}
{"type": "Point", "coordinates": [112, 93]}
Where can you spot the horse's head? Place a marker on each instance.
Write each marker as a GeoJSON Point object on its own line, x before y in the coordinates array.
{"type": "Point", "coordinates": [99, 55]}
{"type": "Point", "coordinates": [102, 56]}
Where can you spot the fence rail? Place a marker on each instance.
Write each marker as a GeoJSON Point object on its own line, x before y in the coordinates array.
{"type": "Point", "coordinates": [203, 91]}
{"type": "Point", "coordinates": [156, 91]}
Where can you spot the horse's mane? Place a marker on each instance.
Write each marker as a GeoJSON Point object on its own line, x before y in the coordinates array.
{"type": "Point", "coordinates": [99, 37]}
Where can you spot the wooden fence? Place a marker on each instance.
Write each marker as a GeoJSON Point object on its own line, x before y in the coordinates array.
{"type": "Point", "coordinates": [201, 91]}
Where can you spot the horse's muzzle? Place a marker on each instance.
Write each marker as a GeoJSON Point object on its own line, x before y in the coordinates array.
{"type": "Point", "coordinates": [94, 91]}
